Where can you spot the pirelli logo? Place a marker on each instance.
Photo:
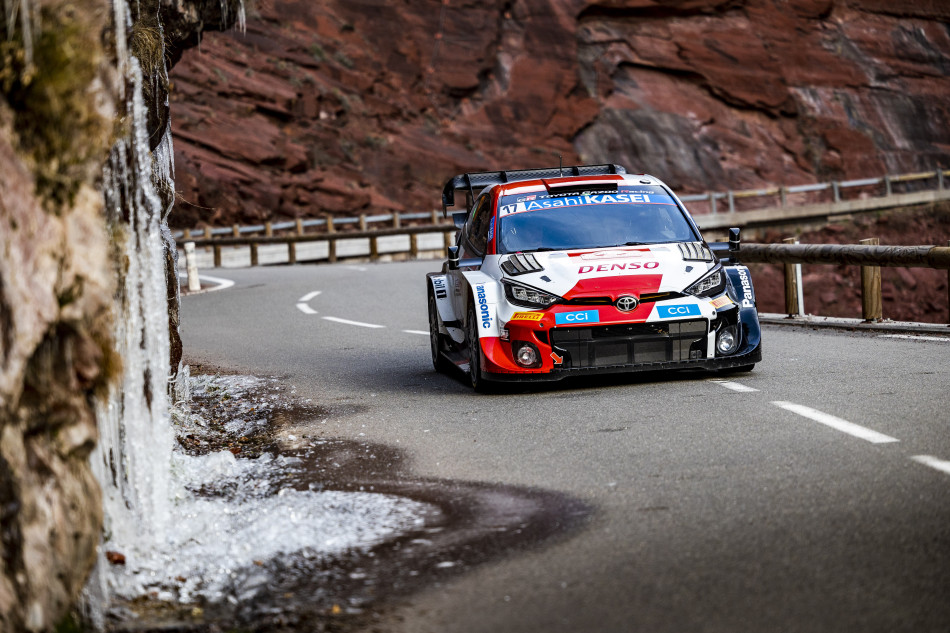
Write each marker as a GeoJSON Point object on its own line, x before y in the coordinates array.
{"type": "Point", "coordinates": [527, 316]}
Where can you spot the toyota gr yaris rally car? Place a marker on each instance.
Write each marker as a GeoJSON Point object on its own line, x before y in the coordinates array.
{"type": "Point", "coordinates": [559, 272]}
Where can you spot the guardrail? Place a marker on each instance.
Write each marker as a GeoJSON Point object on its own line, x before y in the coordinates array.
{"type": "Point", "coordinates": [331, 230]}
{"type": "Point", "coordinates": [786, 197]}
{"type": "Point", "coordinates": [332, 236]}
{"type": "Point", "coordinates": [804, 194]}
{"type": "Point", "coordinates": [869, 255]}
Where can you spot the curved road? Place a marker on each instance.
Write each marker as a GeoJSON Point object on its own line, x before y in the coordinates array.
{"type": "Point", "coordinates": [810, 495]}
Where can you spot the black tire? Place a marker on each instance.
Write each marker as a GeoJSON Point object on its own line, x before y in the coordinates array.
{"type": "Point", "coordinates": [474, 351]}
{"type": "Point", "coordinates": [435, 339]}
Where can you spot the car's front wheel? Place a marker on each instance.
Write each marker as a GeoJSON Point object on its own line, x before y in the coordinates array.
{"type": "Point", "coordinates": [435, 338]}
{"type": "Point", "coordinates": [474, 351]}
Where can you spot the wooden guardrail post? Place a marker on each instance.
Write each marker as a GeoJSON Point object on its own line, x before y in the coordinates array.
{"type": "Point", "coordinates": [836, 190]}
{"type": "Point", "coordinates": [254, 257]}
{"type": "Point", "coordinates": [217, 255]}
{"type": "Point", "coordinates": [783, 195]}
{"type": "Point", "coordinates": [413, 246]}
{"type": "Point", "coordinates": [447, 239]}
{"type": "Point", "coordinates": [186, 236]}
{"type": "Point", "coordinates": [236, 231]}
{"type": "Point", "coordinates": [794, 300]}
{"type": "Point", "coordinates": [292, 245]}
{"type": "Point", "coordinates": [268, 229]}
{"type": "Point", "coordinates": [396, 220]}
{"type": "Point", "coordinates": [940, 178]}
{"type": "Point", "coordinates": [362, 221]}
{"type": "Point", "coordinates": [712, 203]}
{"type": "Point", "coordinates": [331, 243]}
{"type": "Point", "coordinates": [732, 201]}
{"type": "Point", "coordinates": [373, 248]}
{"type": "Point", "coordinates": [871, 308]}
{"type": "Point", "coordinates": [888, 189]}
{"type": "Point", "coordinates": [435, 216]}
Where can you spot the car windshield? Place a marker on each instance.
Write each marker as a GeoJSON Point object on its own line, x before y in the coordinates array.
{"type": "Point", "coordinates": [631, 215]}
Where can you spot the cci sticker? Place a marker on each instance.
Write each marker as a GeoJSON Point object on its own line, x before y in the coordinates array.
{"type": "Point", "coordinates": [527, 316]}
{"type": "Point", "coordinates": [571, 318]}
{"type": "Point", "coordinates": [670, 312]}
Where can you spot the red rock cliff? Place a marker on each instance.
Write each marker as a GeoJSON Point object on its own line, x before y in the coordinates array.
{"type": "Point", "coordinates": [345, 106]}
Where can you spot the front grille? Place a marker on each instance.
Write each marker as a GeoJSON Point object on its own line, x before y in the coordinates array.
{"type": "Point", "coordinates": [644, 298]}
{"type": "Point", "coordinates": [627, 344]}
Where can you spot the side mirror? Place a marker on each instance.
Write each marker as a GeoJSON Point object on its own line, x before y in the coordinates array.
{"type": "Point", "coordinates": [733, 242]}
{"type": "Point", "coordinates": [453, 257]}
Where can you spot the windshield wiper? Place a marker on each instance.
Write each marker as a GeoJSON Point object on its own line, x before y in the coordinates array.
{"type": "Point", "coordinates": [628, 244]}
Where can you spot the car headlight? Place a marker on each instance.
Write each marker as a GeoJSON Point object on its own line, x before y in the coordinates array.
{"type": "Point", "coordinates": [714, 283]}
{"type": "Point", "coordinates": [529, 297]}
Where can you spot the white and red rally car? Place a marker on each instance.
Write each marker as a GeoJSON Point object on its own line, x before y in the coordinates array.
{"type": "Point", "coordinates": [585, 269]}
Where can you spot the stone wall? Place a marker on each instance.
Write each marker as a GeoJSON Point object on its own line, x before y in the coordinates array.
{"type": "Point", "coordinates": [347, 107]}
{"type": "Point", "coordinates": [57, 113]}
{"type": "Point", "coordinates": [61, 110]}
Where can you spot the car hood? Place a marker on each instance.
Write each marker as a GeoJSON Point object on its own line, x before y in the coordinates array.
{"type": "Point", "coordinates": [614, 271]}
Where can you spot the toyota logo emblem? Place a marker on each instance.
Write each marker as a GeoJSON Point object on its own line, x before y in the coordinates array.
{"type": "Point", "coordinates": [626, 303]}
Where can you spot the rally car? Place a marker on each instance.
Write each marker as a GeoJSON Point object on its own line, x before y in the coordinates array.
{"type": "Point", "coordinates": [578, 270]}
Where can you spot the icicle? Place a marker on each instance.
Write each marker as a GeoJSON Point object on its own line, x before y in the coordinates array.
{"type": "Point", "coordinates": [29, 24]}
{"type": "Point", "coordinates": [120, 16]}
{"type": "Point", "coordinates": [242, 17]}
{"type": "Point", "coordinates": [133, 459]}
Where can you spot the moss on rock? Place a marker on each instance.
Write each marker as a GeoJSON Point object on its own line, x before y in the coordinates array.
{"type": "Point", "coordinates": [63, 132]}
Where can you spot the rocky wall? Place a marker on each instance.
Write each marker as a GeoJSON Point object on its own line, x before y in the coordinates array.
{"type": "Point", "coordinates": [63, 79]}
{"type": "Point", "coordinates": [343, 107]}
{"type": "Point", "coordinates": [57, 115]}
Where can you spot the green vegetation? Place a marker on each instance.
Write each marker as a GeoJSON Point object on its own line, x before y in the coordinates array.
{"type": "Point", "coordinates": [61, 131]}
{"type": "Point", "coordinates": [70, 624]}
{"type": "Point", "coordinates": [318, 53]}
{"type": "Point", "coordinates": [341, 57]}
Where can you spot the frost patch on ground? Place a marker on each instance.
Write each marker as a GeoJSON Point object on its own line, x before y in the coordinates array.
{"type": "Point", "coordinates": [233, 514]}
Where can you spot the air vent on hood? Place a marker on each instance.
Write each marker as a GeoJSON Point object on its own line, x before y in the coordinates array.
{"type": "Point", "coordinates": [520, 264]}
{"type": "Point", "coordinates": [695, 251]}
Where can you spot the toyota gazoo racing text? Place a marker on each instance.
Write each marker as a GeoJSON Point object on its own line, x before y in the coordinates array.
{"type": "Point", "coordinates": [586, 269]}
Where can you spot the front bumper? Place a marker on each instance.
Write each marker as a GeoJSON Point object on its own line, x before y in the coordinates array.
{"type": "Point", "coordinates": [622, 347]}
{"type": "Point", "coordinates": [721, 362]}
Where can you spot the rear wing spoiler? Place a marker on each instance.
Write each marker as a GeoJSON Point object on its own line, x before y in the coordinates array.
{"type": "Point", "coordinates": [484, 179]}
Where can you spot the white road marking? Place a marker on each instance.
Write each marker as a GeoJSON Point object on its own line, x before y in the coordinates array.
{"type": "Point", "coordinates": [836, 423]}
{"type": "Point", "coordinates": [416, 332]}
{"type": "Point", "coordinates": [916, 338]}
{"type": "Point", "coordinates": [348, 322]}
{"type": "Point", "coordinates": [928, 460]}
{"type": "Point", "coordinates": [735, 386]}
{"type": "Point", "coordinates": [357, 268]}
{"type": "Point", "coordinates": [221, 283]}
{"type": "Point", "coordinates": [310, 295]}
{"type": "Point", "coordinates": [303, 307]}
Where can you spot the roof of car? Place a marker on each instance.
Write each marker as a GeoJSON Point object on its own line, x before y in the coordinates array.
{"type": "Point", "coordinates": [484, 179]}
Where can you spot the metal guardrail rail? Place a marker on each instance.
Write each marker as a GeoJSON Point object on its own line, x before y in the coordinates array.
{"type": "Point", "coordinates": [781, 194]}
{"type": "Point", "coordinates": [869, 255]}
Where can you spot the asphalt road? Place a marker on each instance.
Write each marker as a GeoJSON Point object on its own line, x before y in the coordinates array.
{"type": "Point", "coordinates": [720, 504]}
